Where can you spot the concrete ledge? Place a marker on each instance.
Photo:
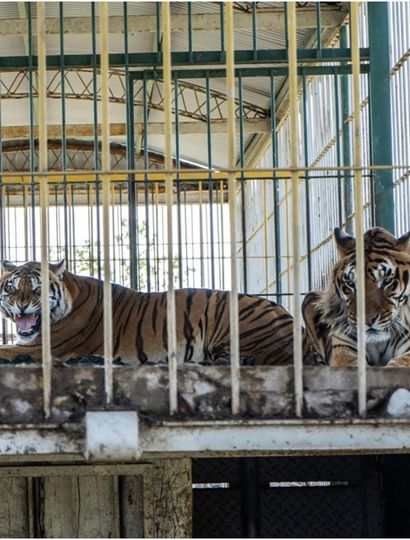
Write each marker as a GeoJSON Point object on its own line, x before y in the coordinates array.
{"type": "Point", "coordinates": [204, 392]}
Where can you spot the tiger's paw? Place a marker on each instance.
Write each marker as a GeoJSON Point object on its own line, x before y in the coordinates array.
{"type": "Point", "coordinates": [344, 361]}
{"type": "Point", "coordinates": [18, 359]}
{"type": "Point", "coordinates": [399, 361]}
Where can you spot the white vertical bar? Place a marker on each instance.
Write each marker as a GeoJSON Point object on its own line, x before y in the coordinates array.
{"type": "Point", "coordinates": [43, 165]}
{"type": "Point", "coordinates": [233, 297]}
{"type": "Point", "coordinates": [106, 196]}
{"type": "Point", "coordinates": [171, 323]}
{"type": "Point", "coordinates": [294, 141]}
{"type": "Point", "coordinates": [358, 203]}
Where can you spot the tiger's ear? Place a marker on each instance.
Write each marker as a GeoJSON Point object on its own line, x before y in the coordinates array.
{"type": "Point", "coordinates": [403, 243]}
{"type": "Point", "coordinates": [8, 266]}
{"type": "Point", "coordinates": [58, 268]}
{"type": "Point", "coordinates": [345, 243]}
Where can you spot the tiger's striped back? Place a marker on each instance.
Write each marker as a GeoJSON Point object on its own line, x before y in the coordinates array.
{"type": "Point", "coordinates": [140, 327]}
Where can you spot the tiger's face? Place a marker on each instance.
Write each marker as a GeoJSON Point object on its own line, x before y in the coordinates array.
{"type": "Point", "coordinates": [20, 297]}
{"type": "Point", "coordinates": [387, 287]}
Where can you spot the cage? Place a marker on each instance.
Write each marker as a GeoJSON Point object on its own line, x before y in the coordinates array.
{"type": "Point", "coordinates": [199, 146]}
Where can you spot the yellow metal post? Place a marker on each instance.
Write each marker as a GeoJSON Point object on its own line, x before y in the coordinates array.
{"type": "Point", "coordinates": [43, 165]}
{"type": "Point", "coordinates": [106, 196]}
{"type": "Point", "coordinates": [171, 323]}
{"type": "Point", "coordinates": [233, 303]}
{"type": "Point", "coordinates": [358, 203]}
{"type": "Point", "coordinates": [294, 142]}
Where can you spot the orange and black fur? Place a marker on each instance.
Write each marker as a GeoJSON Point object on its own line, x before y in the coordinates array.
{"type": "Point", "coordinates": [139, 321]}
{"type": "Point", "coordinates": [330, 315]}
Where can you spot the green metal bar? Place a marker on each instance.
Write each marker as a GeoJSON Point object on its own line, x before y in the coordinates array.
{"type": "Point", "coordinates": [96, 147]}
{"type": "Point", "coordinates": [222, 26]}
{"type": "Point", "coordinates": [338, 148]}
{"type": "Point", "coordinates": [318, 31]}
{"type": "Point", "coordinates": [182, 58]}
{"type": "Point", "coordinates": [63, 133]}
{"type": "Point", "coordinates": [146, 186]}
{"type": "Point", "coordinates": [210, 179]}
{"type": "Point", "coordinates": [380, 111]}
{"type": "Point", "coordinates": [178, 182]}
{"type": "Point", "coordinates": [248, 72]}
{"type": "Point", "coordinates": [242, 184]}
{"type": "Point", "coordinates": [254, 31]}
{"type": "Point", "coordinates": [347, 157]}
{"type": "Point", "coordinates": [189, 5]}
{"type": "Point", "coordinates": [307, 185]}
{"type": "Point", "coordinates": [132, 221]}
{"type": "Point", "coordinates": [158, 54]}
{"type": "Point", "coordinates": [276, 193]}
{"type": "Point", "coordinates": [32, 142]}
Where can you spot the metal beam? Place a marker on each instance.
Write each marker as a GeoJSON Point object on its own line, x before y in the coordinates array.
{"type": "Point", "coordinates": [256, 125]}
{"type": "Point", "coordinates": [204, 438]}
{"type": "Point", "coordinates": [380, 111]}
{"type": "Point", "coordinates": [201, 22]}
{"type": "Point", "coordinates": [260, 56]}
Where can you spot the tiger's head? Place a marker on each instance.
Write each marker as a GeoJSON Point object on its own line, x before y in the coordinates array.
{"type": "Point", "coordinates": [387, 283]}
{"type": "Point", "coordinates": [20, 297]}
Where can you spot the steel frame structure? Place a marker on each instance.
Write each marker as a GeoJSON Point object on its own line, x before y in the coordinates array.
{"type": "Point", "coordinates": [347, 65]}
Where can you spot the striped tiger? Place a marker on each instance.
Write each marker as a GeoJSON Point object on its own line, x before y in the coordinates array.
{"type": "Point", "coordinates": [139, 321]}
{"type": "Point", "coordinates": [330, 316]}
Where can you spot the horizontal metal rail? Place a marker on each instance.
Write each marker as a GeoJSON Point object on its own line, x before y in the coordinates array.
{"type": "Point", "coordinates": [231, 437]}
{"type": "Point", "coordinates": [178, 58]}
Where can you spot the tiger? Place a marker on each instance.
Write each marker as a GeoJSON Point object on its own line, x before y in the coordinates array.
{"type": "Point", "coordinates": [139, 321]}
{"type": "Point", "coordinates": [331, 316]}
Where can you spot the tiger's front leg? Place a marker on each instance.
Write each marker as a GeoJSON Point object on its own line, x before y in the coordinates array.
{"type": "Point", "coordinates": [400, 361]}
{"type": "Point", "coordinates": [343, 357]}
{"type": "Point", "coordinates": [18, 353]}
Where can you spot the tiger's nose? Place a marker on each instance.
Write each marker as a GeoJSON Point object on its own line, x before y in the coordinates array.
{"type": "Point", "coordinates": [371, 320]}
{"type": "Point", "coordinates": [22, 306]}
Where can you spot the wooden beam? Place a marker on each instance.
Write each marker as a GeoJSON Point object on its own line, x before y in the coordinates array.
{"type": "Point", "coordinates": [201, 22]}
{"type": "Point", "coordinates": [258, 125]}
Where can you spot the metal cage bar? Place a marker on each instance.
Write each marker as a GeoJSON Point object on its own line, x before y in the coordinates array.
{"type": "Point", "coordinates": [106, 196]}
{"type": "Point", "coordinates": [359, 229]}
{"type": "Point", "coordinates": [43, 166]}
{"type": "Point", "coordinates": [233, 297]}
{"type": "Point", "coordinates": [294, 141]}
{"type": "Point", "coordinates": [171, 322]}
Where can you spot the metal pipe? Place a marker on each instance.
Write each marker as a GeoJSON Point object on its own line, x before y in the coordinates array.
{"type": "Point", "coordinates": [31, 120]}
{"type": "Point", "coordinates": [43, 165]}
{"type": "Point", "coordinates": [171, 322]}
{"type": "Point", "coordinates": [178, 179]}
{"type": "Point", "coordinates": [63, 129]}
{"type": "Point", "coordinates": [358, 203]}
{"type": "Point", "coordinates": [105, 163]}
{"type": "Point", "coordinates": [233, 297]}
{"type": "Point", "coordinates": [347, 161]}
{"type": "Point", "coordinates": [243, 185]}
{"type": "Point", "coordinates": [276, 191]}
{"type": "Point", "coordinates": [307, 183]}
{"type": "Point", "coordinates": [294, 141]}
{"type": "Point", "coordinates": [95, 122]}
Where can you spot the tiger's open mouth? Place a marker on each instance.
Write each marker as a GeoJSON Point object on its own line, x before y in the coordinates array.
{"type": "Point", "coordinates": [27, 325]}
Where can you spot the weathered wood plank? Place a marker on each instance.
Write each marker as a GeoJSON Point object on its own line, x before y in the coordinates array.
{"type": "Point", "coordinates": [132, 506]}
{"type": "Point", "coordinates": [14, 512]}
{"type": "Point", "coordinates": [172, 494]}
{"type": "Point", "coordinates": [96, 511]}
{"type": "Point", "coordinates": [59, 507]}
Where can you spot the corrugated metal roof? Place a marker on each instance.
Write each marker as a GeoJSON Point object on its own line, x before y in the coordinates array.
{"type": "Point", "coordinates": [193, 147]}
